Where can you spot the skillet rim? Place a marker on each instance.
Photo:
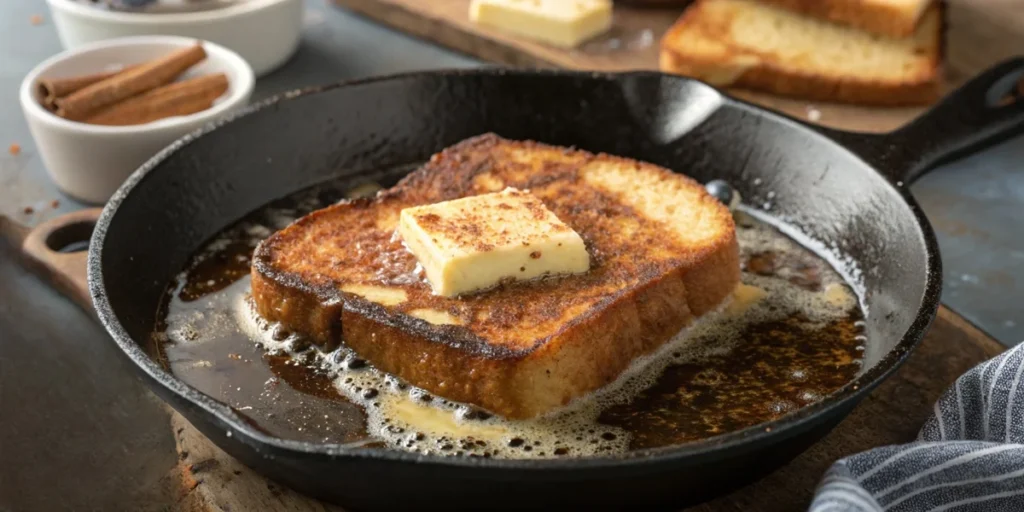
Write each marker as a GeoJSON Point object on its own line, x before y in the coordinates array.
{"type": "Point", "coordinates": [790, 424]}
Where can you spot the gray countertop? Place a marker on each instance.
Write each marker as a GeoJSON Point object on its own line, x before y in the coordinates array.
{"type": "Point", "coordinates": [78, 431]}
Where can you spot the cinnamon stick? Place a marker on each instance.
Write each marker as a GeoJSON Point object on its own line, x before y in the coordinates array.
{"type": "Point", "coordinates": [49, 89]}
{"type": "Point", "coordinates": [176, 99]}
{"type": "Point", "coordinates": [85, 102]}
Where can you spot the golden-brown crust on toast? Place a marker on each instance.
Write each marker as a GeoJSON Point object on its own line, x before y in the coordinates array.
{"type": "Point", "coordinates": [750, 68]}
{"type": "Point", "coordinates": [522, 349]}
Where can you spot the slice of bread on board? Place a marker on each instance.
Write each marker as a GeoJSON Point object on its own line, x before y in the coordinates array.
{"type": "Point", "coordinates": [753, 45]}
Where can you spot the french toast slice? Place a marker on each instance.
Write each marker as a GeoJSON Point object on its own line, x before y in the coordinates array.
{"type": "Point", "coordinates": [754, 45]}
{"type": "Point", "coordinates": [662, 252]}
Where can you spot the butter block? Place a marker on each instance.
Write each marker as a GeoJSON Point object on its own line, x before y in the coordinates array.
{"type": "Point", "coordinates": [565, 23]}
{"type": "Point", "coordinates": [474, 243]}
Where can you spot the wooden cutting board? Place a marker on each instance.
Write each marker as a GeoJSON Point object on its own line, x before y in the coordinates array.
{"type": "Point", "coordinates": [980, 33]}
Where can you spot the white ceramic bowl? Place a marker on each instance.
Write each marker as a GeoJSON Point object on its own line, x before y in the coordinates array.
{"type": "Point", "coordinates": [89, 162]}
{"type": "Point", "coordinates": [264, 32]}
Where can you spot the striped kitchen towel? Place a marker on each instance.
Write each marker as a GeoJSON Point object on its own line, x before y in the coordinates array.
{"type": "Point", "coordinates": [969, 455]}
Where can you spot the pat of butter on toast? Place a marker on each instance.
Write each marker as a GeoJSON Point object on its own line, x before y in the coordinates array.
{"type": "Point", "coordinates": [564, 23]}
{"type": "Point", "coordinates": [474, 243]}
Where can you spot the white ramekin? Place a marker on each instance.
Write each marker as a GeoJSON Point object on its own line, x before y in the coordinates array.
{"type": "Point", "coordinates": [89, 162]}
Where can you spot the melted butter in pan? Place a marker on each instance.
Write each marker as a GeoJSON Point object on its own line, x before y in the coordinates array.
{"type": "Point", "coordinates": [791, 335]}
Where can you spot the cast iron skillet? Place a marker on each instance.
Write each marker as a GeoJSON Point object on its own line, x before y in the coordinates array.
{"type": "Point", "coordinates": [846, 191]}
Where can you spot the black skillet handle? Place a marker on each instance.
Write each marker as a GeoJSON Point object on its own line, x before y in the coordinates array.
{"type": "Point", "coordinates": [986, 110]}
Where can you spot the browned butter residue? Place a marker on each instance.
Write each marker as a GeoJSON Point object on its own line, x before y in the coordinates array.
{"type": "Point", "coordinates": [752, 371]}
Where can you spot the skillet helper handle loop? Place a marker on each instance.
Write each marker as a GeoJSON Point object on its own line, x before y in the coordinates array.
{"type": "Point", "coordinates": [40, 248]}
{"type": "Point", "coordinates": [986, 110]}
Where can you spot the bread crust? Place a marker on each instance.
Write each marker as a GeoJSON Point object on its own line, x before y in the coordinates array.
{"type": "Point", "coordinates": [750, 69]}
{"type": "Point", "coordinates": [586, 345]}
